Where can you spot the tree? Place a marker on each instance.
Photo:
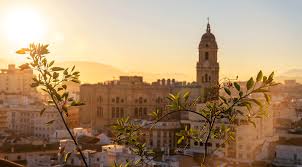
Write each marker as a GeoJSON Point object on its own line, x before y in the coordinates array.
{"type": "Point", "coordinates": [52, 80]}
{"type": "Point", "coordinates": [237, 102]}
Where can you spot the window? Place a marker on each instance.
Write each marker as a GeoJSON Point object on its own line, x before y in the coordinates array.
{"type": "Point", "coordinates": [113, 112]}
{"type": "Point", "coordinates": [207, 45]}
{"type": "Point", "coordinates": [117, 112]}
{"type": "Point", "coordinates": [206, 78]}
{"type": "Point", "coordinates": [122, 112]}
{"type": "Point", "coordinates": [113, 100]}
{"type": "Point", "coordinates": [145, 100]}
{"type": "Point", "coordinates": [206, 55]}
{"type": "Point", "coordinates": [145, 111]}
{"type": "Point", "coordinates": [140, 111]}
{"type": "Point", "coordinates": [140, 100]}
{"type": "Point", "coordinates": [117, 99]}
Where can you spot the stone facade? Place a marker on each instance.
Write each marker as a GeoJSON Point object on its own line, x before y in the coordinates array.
{"type": "Point", "coordinates": [207, 68]}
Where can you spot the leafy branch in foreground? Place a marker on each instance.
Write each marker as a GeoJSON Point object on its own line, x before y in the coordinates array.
{"type": "Point", "coordinates": [239, 102]}
{"type": "Point", "coordinates": [52, 80]}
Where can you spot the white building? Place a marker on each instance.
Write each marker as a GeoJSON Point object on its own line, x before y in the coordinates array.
{"type": "Point", "coordinates": [249, 140]}
{"type": "Point", "coordinates": [26, 120]}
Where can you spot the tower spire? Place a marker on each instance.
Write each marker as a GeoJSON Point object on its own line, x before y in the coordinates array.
{"type": "Point", "coordinates": [208, 26]}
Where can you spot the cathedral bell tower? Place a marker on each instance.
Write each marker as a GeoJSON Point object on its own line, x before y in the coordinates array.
{"type": "Point", "coordinates": [207, 66]}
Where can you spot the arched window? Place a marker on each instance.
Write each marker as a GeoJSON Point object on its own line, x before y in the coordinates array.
{"type": "Point", "coordinates": [117, 112]}
{"type": "Point", "coordinates": [206, 78]}
{"type": "Point", "coordinates": [113, 112]}
{"type": "Point", "coordinates": [140, 111]}
{"type": "Point", "coordinates": [206, 55]}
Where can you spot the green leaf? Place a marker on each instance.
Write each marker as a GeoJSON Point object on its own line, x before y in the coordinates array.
{"type": "Point", "coordinates": [64, 86]}
{"type": "Point", "coordinates": [180, 139]}
{"type": "Point", "coordinates": [75, 80]}
{"type": "Point", "coordinates": [76, 73]}
{"type": "Point", "coordinates": [259, 76]}
{"type": "Point", "coordinates": [240, 93]}
{"type": "Point", "coordinates": [50, 122]}
{"type": "Point", "coordinates": [24, 66]}
{"type": "Point", "coordinates": [250, 83]}
{"type": "Point", "coordinates": [227, 91]}
{"type": "Point", "coordinates": [35, 84]}
{"type": "Point", "coordinates": [55, 75]}
{"type": "Point", "coordinates": [267, 98]}
{"type": "Point", "coordinates": [223, 99]}
{"type": "Point", "coordinates": [237, 86]}
{"type": "Point", "coordinates": [260, 90]}
{"type": "Point", "coordinates": [57, 69]}
{"type": "Point", "coordinates": [42, 111]}
{"type": "Point", "coordinates": [77, 103]}
{"type": "Point", "coordinates": [186, 95]}
{"type": "Point", "coordinates": [264, 79]}
{"type": "Point", "coordinates": [257, 102]}
{"type": "Point", "coordinates": [51, 63]}
{"type": "Point", "coordinates": [270, 78]}
{"type": "Point", "coordinates": [67, 155]}
{"type": "Point", "coordinates": [252, 122]}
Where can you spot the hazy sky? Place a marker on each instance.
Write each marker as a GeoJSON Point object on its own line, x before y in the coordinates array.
{"type": "Point", "coordinates": [160, 35]}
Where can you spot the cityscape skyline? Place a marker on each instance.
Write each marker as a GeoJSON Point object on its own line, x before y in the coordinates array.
{"type": "Point", "coordinates": [157, 33]}
{"type": "Point", "coordinates": [150, 83]}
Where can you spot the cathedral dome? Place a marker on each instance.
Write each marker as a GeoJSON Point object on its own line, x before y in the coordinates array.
{"type": "Point", "coordinates": [208, 39]}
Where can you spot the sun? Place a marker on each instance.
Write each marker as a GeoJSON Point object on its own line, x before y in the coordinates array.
{"type": "Point", "coordinates": [24, 26]}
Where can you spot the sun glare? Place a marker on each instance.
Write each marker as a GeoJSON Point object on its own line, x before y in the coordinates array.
{"type": "Point", "coordinates": [24, 26]}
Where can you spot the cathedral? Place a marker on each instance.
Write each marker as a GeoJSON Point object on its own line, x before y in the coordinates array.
{"type": "Point", "coordinates": [131, 97]}
{"type": "Point", "coordinates": [207, 68]}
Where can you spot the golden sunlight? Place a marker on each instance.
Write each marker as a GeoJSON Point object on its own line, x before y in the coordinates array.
{"type": "Point", "coordinates": [23, 26]}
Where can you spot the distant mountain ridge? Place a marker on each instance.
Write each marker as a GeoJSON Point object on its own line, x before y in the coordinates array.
{"type": "Point", "coordinates": [92, 72]}
{"type": "Point", "coordinates": [291, 74]}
